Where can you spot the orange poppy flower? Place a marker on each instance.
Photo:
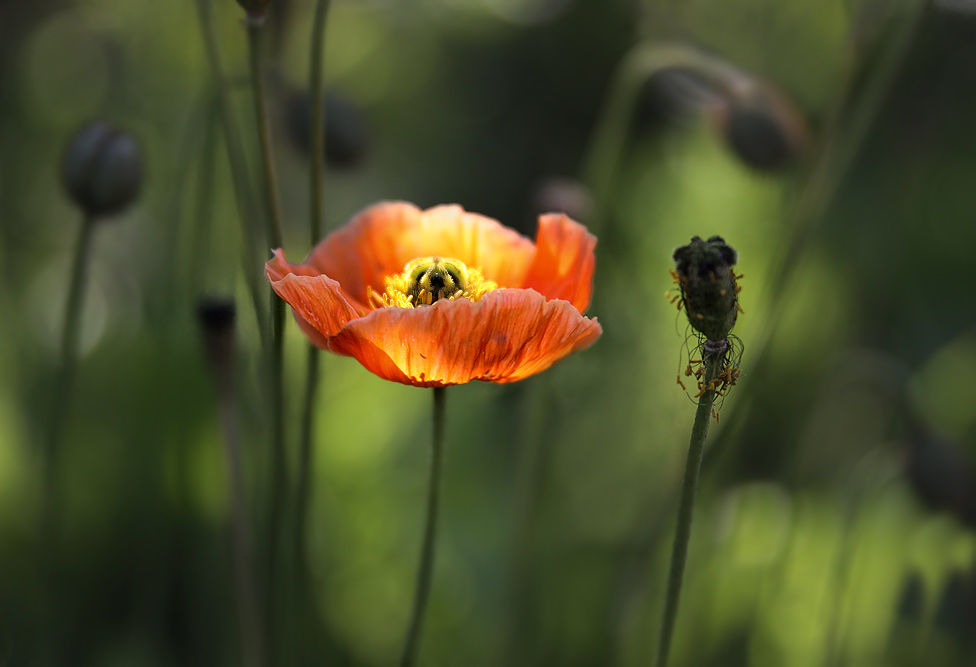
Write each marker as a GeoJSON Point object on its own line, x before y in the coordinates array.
{"type": "Point", "coordinates": [440, 297]}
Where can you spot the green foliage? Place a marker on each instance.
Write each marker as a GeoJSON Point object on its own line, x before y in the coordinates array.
{"type": "Point", "coordinates": [834, 521]}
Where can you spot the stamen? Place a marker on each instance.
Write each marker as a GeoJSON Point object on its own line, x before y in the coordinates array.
{"type": "Point", "coordinates": [426, 280]}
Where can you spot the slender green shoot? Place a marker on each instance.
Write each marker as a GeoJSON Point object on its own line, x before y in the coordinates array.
{"type": "Point", "coordinates": [426, 569]}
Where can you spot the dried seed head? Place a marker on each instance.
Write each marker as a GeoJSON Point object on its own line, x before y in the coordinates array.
{"type": "Point", "coordinates": [709, 293]}
{"type": "Point", "coordinates": [101, 169]}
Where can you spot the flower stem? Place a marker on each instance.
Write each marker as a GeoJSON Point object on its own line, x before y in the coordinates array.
{"type": "Point", "coordinates": [255, 32]}
{"type": "Point", "coordinates": [316, 91]}
{"type": "Point", "coordinates": [426, 569]}
{"type": "Point", "coordinates": [279, 481]}
{"type": "Point", "coordinates": [603, 155]}
{"type": "Point", "coordinates": [238, 167]}
{"type": "Point", "coordinates": [316, 86]}
{"type": "Point", "coordinates": [70, 336]}
{"type": "Point", "coordinates": [249, 610]}
{"type": "Point", "coordinates": [848, 125]}
{"type": "Point", "coordinates": [679, 553]}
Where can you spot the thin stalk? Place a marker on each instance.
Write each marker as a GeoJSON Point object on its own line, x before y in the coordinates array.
{"type": "Point", "coordinates": [848, 126]}
{"type": "Point", "coordinates": [603, 154]}
{"type": "Point", "coordinates": [70, 337]}
{"type": "Point", "coordinates": [426, 569]}
{"type": "Point", "coordinates": [279, 481]}
{"type": "Point", "coordinates": [316, 91]}
{"type": "Point", "coordinates": [532, 412]}
{"type": "Point", "coordinates": [689, 490]}
{"type": "Point", "coordinates": [255, 33]}
{"type": "Point", "coordinates": [316, 86]}
{"type": "Point", "coordinates": [249, 611]}
{"type": "Point", "coordinates": [201, 240]}
{"type": "Point", "coordinates": [243, 196]}
{"type": "Point", "coordinates": [305, 458]}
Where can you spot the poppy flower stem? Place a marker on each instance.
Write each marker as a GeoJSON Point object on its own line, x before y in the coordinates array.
{"type": "Point", "coordinates": [603, 154]}
{"type": "Point", "coordinates": [426, 568]}
{"type": "Point", "coordinates": [236, 157]}
{"type": "Point", "coordinates": [217, 323]}
{"type": "Point", "coordinates": [255, 33]}
{"type": "Point", "coordinates": [316, 224]}
{"type": "Point", "coordinates": [70, 337]}
{"type": "Point", "coordinates": [279, 481]}
{"type": "Point", "coordinates": [686, 508]}
{"type": "Point", "coordinates": [316, 90]}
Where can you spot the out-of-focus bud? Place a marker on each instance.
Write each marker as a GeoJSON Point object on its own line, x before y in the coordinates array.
{"type": "Point", "coordinates": [561, 195]}
{"type": "Point", "coordinates": [761, 126]}
{"type": "Point", "coordinates": [102, 169]}
{"type": "Point", "coordinates": [673, 95]}
{"type": "Point", "coordinates": [709, 291]}
{"type": "Point", "coordinates": [216, 318]}
{"type": "Point", "coordinates": [941, 473]}
{"type": "Point", "coordinates": [256, 9]}
{"type": "Point", "coordinates": [346, 130]}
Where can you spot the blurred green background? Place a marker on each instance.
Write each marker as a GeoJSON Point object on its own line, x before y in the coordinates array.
{"type": "Point", "coordinates": [834, 523]}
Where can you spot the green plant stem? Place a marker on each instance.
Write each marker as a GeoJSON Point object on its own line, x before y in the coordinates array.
{"type": "Point", "coordinates": [70, 337]}
{"type": "Point", "coordinates": [243, 196]}
{"type": "Point", "coordinates": [316, 86]}
{"type": "Point", "coordinates": [305, 453]}
{"type": "Point", "coordinates": [316, 91]}
{"type": "Point", "coordinates": [255, 34]}
{"type": "Point", "coordinates": [249, 610]}
{"type": "Point", "coordinates": [532, 411]}
{"type": "Point", "coordinates": [603, 155]}
{"type": "Point", "coordinates": [279, 463]}
{"type": "Point", "coordinates": [850, 121]}
{"type": "Point", "coordinates": [426, 569]}
{"type": "Point", "coordinates": [682, 535]}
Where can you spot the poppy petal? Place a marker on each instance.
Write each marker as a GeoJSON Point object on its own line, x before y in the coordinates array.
{"type": "Point", "coordinates": [564, 261]}
{"type": "Point", "coordinates": [320, 307]}
{"type": "Point", "coordinates": [507, 336]}
{"type": "Point", "coordinates": [381, 239]}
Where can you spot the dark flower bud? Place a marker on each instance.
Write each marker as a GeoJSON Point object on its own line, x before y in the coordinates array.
{"type": "Point", "coordinates": [762, 127]}
{"type": "Point", "coordinates": [102, 169]}
{"type": "Point", "coordinates": [709, 292]}
{"type": "Point", "coordinates": [942, 473]}
{"type": "Point", "coordinates": [346, 131]}
{"type": "Point", "coordinates": [216, 318]}
{"type": "Point", "coordinates": [255, 9]}
{"type": "Point", "coordinates": [561, 195]}
{"type": "Point", "coordinates": [216, 315]}
{"type": "Point", "coordinates": [672, 95]}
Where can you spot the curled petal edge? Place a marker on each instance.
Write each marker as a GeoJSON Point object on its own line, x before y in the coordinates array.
{"type": "Point", "coordinates": [564, 261]}
{"type": "Point", "coordinates": [509, 335]}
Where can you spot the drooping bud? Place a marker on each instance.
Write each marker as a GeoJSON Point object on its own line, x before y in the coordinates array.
{"type": "Point", "coordinates": [102, 169]}
{"type": "Point", "coordinates": [942, 474]}
{"type": "Point", "coordinates": [761, 126]}
{"type": "Point", "coordinates": [563, 195]}
{"type": "Point", "coordinates": [346, 129]}
{"type": "Point", "coordinates": [673, 95]}
{"type": "Point", "coordinates": [709, 292]}
{"type": "Point", "coordinates": [256, 9]}
{"type": "Point", "coordinates": [216, 319]}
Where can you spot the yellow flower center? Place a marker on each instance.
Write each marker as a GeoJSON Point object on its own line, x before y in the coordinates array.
{"type": "Point", "coordinates": [428, 279]}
